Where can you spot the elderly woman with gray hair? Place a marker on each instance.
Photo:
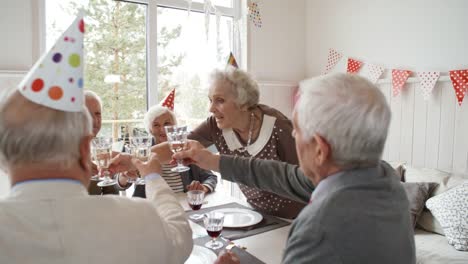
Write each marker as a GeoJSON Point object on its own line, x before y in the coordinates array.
{"type": "Point", "coordinates": [240, 126]}
{"type": "Point", "coordinates": [155, 120]}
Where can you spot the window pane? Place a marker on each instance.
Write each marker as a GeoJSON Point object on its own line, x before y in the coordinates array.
{"type": "Point", "coordinates": [115, 55]}
{"type": "Point", "coordinates": [186, 57]}
{"type": "Point", "coordinates": [225, 3]}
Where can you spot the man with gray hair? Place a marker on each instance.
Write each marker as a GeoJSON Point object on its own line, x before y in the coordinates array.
{"type": "Point", "coordinates": [358, 212]}
{"type": "Point", "coordinates": [49, 217]}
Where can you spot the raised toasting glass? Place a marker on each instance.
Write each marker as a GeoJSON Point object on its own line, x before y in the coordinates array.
{"type": "Point", "coordinates": [141, 149]}
{"type": "Point", "coordinates": [195, 201]}
{"type": "Point", "coordinates": [102, 153]}
{"type": "Point", "coordinates": [214, 225]}
{"type": "Point", "coordinates": [177, 138]}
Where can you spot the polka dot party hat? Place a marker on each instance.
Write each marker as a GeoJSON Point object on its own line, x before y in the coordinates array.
{"type": "Point", "coordinates": [169, 100]}
{"type": "Point", "coordinates": [56, 80]}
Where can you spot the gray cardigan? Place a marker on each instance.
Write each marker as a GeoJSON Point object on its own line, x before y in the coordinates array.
{"type": "Point", "coordinates": [363, 217]}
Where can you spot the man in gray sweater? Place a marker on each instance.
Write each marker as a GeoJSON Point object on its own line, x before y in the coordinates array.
{"type": "Point", "coordinates": [358, 211]}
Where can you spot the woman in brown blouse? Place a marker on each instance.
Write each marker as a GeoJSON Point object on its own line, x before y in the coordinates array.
{"type": "Point", "coordinates": [240, 126]}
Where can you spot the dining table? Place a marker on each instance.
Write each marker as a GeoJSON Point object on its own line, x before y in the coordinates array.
{"type": "Point", "coordinates": [267, 247]}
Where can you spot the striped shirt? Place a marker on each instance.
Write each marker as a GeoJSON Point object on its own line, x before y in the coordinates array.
{"type": "Point", "coordinates": [172, 178]}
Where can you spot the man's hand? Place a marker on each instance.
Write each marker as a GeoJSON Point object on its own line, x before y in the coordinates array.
{"type": "Point", "coordinates": [196, 185]}
{"type": "Point", "coordinates": [196, 154]}
{"type": "Point", "coordinates": [120, 163]}
{"type": "Point", "coordinates": [164, 152]}
{"type": "Point", "coordinates": [227, 257]}
{"type": "Point", "coordinates": [145, 168]}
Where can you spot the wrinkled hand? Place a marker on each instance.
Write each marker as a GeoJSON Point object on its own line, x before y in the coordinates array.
{"type": "Point", "coordinates": [120, 163]}
{"type": "Point", "coordinates": [196, 154]}
{"type": "Point", "coordinates": [196, 185]}
{"type": "Point", "coordinates": [94, 169]}
{"type": "Point", "coordinates": [145, 168]}
{"type": "Point", "coordinates": [164, 152]}
{"type": "Point", "coordinates": [227, 257]}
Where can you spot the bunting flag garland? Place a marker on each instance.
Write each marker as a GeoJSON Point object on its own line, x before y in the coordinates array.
{"type": "Point", "coordinates": [353, 66]}
{"type": "Point", "coordinates": [399, 78]}
{"type": "Point", "coordinates": [427, 83]}
{"type": "Point", "coordinates": [372, 72]}
{"type": "Point", "coordinates": [254, 14]}
{"type": "Point", "coordinates": [332, 60]}
{"type": "Point", "coordinates": [232, 61]}
{"type": "Point", "coordinates": [460, 83]}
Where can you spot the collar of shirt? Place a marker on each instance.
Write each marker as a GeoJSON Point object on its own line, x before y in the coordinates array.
{"type": "Point", "coordinates": [325, 184]}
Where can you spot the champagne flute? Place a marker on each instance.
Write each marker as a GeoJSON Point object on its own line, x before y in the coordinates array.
{"type": "Point", "coordinates": [102, 148]}
{"type": "Point", "coordinates": [177, 138]}
{"type": "Point", "coordinates": [141, 149]}
{"type": "Point", "coordinates": [195, 201]}
{"type": "Point", "coordinates": [214, 226]}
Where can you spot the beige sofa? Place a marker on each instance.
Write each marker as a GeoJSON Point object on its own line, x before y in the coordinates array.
{"type": "Point", "coordinates": [432, 245]}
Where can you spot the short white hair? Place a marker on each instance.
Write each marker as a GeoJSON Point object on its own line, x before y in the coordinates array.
{"type": "Point", "coordinates": [32, 133]}
{"type": "Point", "coordinates": [154, 112]}
{"type": "Point", "coordinates": [93, 95]}
{"type": "Point", "coordinates": [242, 85]}
{"type": "Point", "coordinates": [350, 112]}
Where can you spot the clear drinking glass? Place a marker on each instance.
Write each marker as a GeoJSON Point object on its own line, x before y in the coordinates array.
{"type": "Point", "coordinates": [141, 149]}
{"type": "Point", "coordinates": [102, 153]}
{"type": "Point", "coordinates": [214, 225]}
{"type": "Point", "coordinates": [195, 201]}
{"type": "Point", "coordinates": [177, 138]}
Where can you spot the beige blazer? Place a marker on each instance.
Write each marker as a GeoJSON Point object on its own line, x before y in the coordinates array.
{"type": "Point", "coordinates": [56, 221]}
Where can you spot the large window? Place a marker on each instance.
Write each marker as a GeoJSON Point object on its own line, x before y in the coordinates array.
{"type": "Point", "coordinates": [137, 51]}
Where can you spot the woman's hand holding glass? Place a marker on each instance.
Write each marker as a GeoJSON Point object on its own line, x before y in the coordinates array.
{"type": "Point", "coordinates": [102, 153]}
{"type": "Point", "coordinates": [177, 138]}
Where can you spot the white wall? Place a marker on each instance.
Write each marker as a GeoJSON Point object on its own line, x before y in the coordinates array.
{"type": "Point", "coordinates": [413, 35]}
{"type": "Point", "coordinates": [276, 50]}
{"type": "Point", "coordinates": [19, 48]}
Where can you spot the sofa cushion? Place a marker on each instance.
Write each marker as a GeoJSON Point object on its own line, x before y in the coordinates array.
{"type": "Point", "coordinates": [429, 223]}
{"type": "Point", "coordinates": [417, 193]}
{"type": "Point", "coordinates": [451, 210]}
{"type": "Point", "coordinates": [433, 249]}
{"type": "Point", "coordinates": [446, 180]}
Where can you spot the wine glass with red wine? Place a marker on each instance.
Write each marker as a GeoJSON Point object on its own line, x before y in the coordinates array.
{"type": "Point", "coordinates": [195, 201]}
{"type": "Point", "coordinates": [214, 225]}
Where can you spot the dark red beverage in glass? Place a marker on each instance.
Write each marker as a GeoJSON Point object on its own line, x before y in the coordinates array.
{"type": "Point", "coordinates": [215, 233]}
{"type": "Point", "coordinates": [195, 207]}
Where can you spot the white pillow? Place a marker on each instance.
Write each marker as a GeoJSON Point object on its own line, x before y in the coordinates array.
{"type": "Point", "coordinates": [451, 210]}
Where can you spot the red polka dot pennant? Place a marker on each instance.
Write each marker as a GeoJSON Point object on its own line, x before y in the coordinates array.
{"type": "Point", "coordinates": [333, 58]}
{"type": "Point", "coordinates": [459, 80]}
{"type": "Point", "coordinates": [56, 80]}
{"type": "Point", "coordinates": [169, 100]}
{"type": "Point", "coordinates": [399, 78]}
{"type": "Point", "coordinates": [428, 80]}
{"type": "Point", "coordinates": [353, 65]}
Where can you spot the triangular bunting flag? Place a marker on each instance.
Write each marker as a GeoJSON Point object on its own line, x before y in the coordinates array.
{"type": "Point", "coordinates": [353, 66]}
{"type": "Point", "coordinates": [332, 60]}
{"type": "Point", "coordinates": [460, 83]}
{"type": "Point", "coordinates": [372, 72]}
{"type": "Point", "coordinates": [56, 80]}
{"type": "Point", "coordinates": [399, 78]}
{"type": "Point", "coordinates": [232, 61]}
{"type": "Point", "coordinates": [169, 100]}
{"type": "Point", "coordinates": [428, 80]}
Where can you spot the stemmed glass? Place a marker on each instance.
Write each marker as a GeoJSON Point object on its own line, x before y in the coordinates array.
{"type": "Point", "coordinates": [102, 153]}
{"type": "Point", "coordinates": [141, 149]}
{"type": "Point", "coordinates": [214, 225]}
{"type": "Point", "coordinates": [177, 138]}
{"type": "Point", "coordinates": [195, 201]}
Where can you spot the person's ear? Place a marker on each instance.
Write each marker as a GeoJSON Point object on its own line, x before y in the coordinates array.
{"type": "Point", "coordinates": [85, 153]}
{"type": "Point", "coordinates": [322, 149]}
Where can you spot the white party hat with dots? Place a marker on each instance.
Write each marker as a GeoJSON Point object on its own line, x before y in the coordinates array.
{"type": "Point", "coordinates": [56, 80]}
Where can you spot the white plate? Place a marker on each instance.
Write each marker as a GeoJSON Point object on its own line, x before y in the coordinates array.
{"type": "Point", "coordinates": [236, 217]}
{"type": "Point", "coordinates": [201, 255]}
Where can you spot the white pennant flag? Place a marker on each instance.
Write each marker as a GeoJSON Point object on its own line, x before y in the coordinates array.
{"type": "Point", "coordinates": [428, 81]}
{"type": "Point", "coordinates": [333, 58]}
{"type": "Point", "coordinates": [371, 71]}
